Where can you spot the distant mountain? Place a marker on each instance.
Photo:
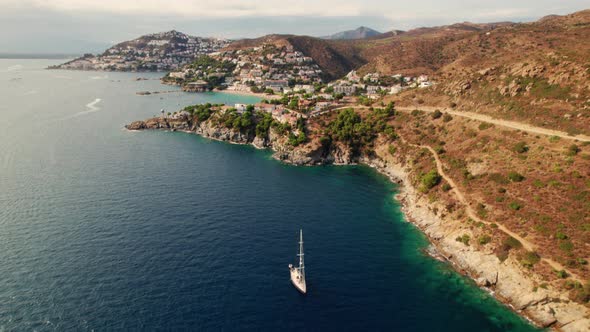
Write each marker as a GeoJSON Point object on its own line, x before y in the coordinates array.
{"type": "Point", "coordinates": [359, 33]}
{"type": "Point", "coordinates": [154, 52]}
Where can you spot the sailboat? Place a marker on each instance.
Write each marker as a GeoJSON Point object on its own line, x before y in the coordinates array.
{"type": "Point", "coordinates": [298, 273]}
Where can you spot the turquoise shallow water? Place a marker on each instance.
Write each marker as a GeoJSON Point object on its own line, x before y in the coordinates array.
{"type": "Point", "coordinates": [108, 229]}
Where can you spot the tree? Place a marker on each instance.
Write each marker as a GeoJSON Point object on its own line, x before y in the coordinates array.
{"type": "Point", "coordinates": [430, 180]}
{"type": "Point", "coordinates": [573, 150]}
{"type": "Point", "coordinates": [294, 103]}
{"type": "Point", "coordinates": [436, 114]}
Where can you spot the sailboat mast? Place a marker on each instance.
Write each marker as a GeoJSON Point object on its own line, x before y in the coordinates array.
{"type": "Point", "coordinates": [301, 265]}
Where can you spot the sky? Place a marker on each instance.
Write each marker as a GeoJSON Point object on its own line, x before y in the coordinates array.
{"type": "Point", "coordinates": [79, 26]}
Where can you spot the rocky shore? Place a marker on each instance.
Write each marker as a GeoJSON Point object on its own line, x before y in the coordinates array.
{"type": "Point", "coordinates": [507, 280]}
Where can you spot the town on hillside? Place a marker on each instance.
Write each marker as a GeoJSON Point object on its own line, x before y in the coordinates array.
{"type": "Point", "coordinates": [163, 51]}
{"type": "Point", "coordinates": [294, 85]}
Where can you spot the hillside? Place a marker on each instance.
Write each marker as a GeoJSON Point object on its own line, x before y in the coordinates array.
{"type": "Point", "coordinates": [415, 52]}
{"type": "Point", "coordinates": [537, 73]}
{"type": "Point", "coordinates": [153, 52]}
{"type": "Point", "coordinates": [334, 58]}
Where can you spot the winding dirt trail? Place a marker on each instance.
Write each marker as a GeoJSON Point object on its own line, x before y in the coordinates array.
{"type": "Point", "coordinates": [460, 196]}
{"type": "Point", "coordinates": [471, 212]}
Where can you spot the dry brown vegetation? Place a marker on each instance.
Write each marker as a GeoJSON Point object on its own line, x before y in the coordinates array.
{"type": "Point", "coordinates": [537, 73]}
{"type": "Point", "coordinates": [537, 187]}
{"type": "Point", "coordinates": [534, 185]}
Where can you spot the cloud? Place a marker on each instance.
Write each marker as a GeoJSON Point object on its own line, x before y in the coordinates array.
{"type": "Point", "coordinates": [62, 26]}
{"type": "Point", "coordinates": [393, 9]}
{"type": "Point", "coordinates": [225, 8]}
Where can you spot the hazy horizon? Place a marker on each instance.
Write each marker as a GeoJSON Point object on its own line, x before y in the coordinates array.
{"type": "Point", "coordinates": [76, 26]}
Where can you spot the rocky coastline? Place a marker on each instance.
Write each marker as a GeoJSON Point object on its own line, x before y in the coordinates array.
{"type": "Point", "coordinates": [507, 280]}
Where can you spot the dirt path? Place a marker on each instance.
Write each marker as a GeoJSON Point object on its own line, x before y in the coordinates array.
{"type": "Point", "coordinates": [471, 213]}
{"type": "Point", "coordinates": [504, 123]}
{"type": "Point", "coordinates": [461, 197]}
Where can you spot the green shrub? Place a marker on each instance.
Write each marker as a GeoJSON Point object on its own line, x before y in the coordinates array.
{"type": "Point", "coordinates": [436, 114]}
{"type": "Point", "coordinates": [498, 178]}
{"type": "Point", "coordinates": [485, 125]}
{"type": "Point", "coordinates": [582, 293]}
{"type": "Point", "coordinates": [566, 246]}
{"type": "Point", "coordinates": [515, 206]}
{"type": "Point", "coordinates": [512, 243]}
{"type": "Point", "coordinates": [521, 147]}
{"type": "Point", "coordinates": [561, 274]}
{"type": "Point", "coordinates": [572, 150]}
{"type": "Point", "coordinates": [560, 235]}
{"type": "Point", "coordinates": [529, 259]}
{"type": "Point", "coordinates": [447, 117]}
{"type": "Point", "coordinates": [391, 150]}
{"type": "Point", "coordinates": [508, 244]}
{"type": "Point", "coordinates": [439, 149]}
{"type": "Point", "coordinates": [484, 239]}
{"type": "Point", "coordinates": [430, 180]}
{"type": "Point", "coordinates": [515, 177]}
{"type": "Point", "coordinates": [446, 187]}
{"type": "Point", "coordinates": [463, 239]}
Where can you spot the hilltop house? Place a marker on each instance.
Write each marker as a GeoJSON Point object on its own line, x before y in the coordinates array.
{"type": "Point", "coordinates": [396, 89]}
{"type": "Point", "coordinates": [373, 89]}
{"type": "Point", "coordinates": [344, 89]}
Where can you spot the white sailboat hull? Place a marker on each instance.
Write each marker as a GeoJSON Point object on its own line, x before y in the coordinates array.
{"type": "Point", "coordinates": [297, 280]}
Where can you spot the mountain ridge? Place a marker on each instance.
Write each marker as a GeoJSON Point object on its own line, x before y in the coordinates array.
{"type": "Point", "coordinates": [361, 32]}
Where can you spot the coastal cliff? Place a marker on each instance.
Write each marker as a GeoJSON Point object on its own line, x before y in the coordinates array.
{"type": "Point", "coordinates": [546, 305]}
{"type": "Point", "coordinates": [304, 155]}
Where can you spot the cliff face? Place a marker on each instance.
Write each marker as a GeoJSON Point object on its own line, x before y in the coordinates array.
{"type": "Point", "coordinates": [303, 155]}
{"type": "Point", "coordinates": [510, 282]}
{"type": "Point", "coordinates": [546, 307]}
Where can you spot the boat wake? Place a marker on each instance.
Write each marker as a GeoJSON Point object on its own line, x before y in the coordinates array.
{"type": "Point", "coordinates": [13, 68]}
{"type": "Point", "coordinates": [99, 77]}
{"type": "Point", "coordinates": [92, 105]}
{"type": "Point", "coordinates": [31, 92]}
{"type": "Point", "coordinates": [90, 108]}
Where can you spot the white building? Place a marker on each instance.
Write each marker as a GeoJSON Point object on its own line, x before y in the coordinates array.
{"type": "Point", "coordinates": [395, 89]}
{"type": "Point", "coordinates": [241, 108]}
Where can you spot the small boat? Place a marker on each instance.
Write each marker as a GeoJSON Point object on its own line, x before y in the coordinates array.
{"type": "Point", "coordinates": [298, 273]}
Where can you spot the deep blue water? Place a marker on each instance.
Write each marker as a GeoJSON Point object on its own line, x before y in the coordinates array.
{"type": "Point", "coordinates": [107, 229]}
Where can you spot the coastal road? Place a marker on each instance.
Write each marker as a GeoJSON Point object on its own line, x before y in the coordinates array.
{"type": "Point", "coordinates": [486, 118]}
{"type": "Point", "coordinates": [503, 123]}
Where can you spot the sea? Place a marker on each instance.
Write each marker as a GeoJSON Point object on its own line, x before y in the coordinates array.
{"type": "Point", "coordinates": [107, 229]}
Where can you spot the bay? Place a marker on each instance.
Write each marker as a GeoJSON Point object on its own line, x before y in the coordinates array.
{"type": "Point", "coordinates": [106, 229]}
